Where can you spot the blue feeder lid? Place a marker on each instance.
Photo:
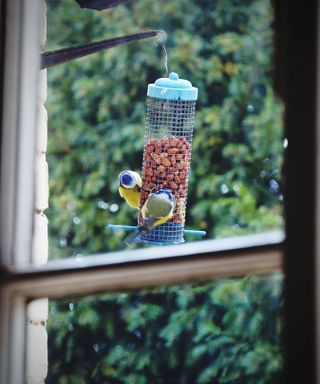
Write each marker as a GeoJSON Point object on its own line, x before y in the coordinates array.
{"type": "Point", "coordinates": [172, 88]}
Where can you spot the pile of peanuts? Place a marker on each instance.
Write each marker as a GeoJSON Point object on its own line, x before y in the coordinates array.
{"type": "Point", "coordinates": [166, 165]}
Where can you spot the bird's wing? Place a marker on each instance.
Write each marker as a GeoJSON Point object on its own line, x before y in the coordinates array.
{"type": "Point", "coordinates": [144, 210]}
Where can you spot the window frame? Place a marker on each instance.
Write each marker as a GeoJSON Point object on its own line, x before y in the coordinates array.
{"type": "Point", "coordinates": [21, 39]}
{"type": "Point", "coordinates": [21, 282]}
{"type": "Point", "coordinates": [297, 63]}
{"type": "Point", "coordinates": [213, 259]}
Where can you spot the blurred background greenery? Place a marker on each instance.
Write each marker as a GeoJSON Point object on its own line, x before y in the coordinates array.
{"type": "Point", "coordinates": [97, 108]}
{"type": "Point", "coordinates": [228, 331]}
{"type": "Point", "coordinates": [222, 332]}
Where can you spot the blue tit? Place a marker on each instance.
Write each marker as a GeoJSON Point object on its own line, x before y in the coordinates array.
{"type": "Point", "coordinates": [157, 210]}
{"type": "Point", "coordinates": [130, 187]}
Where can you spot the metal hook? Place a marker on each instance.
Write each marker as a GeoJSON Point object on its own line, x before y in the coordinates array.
{"type": "Point", "coordinates": [52, 58]}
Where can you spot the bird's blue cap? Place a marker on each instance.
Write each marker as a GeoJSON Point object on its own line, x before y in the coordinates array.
{"type": "Point", "coordinates": [167, 192]}
{"type": "Point", "coordinates": [126, 179]}
{"type": "Point", "coordinates": [172, 88]}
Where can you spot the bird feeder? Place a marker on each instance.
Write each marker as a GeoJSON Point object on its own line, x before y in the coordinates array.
{"type": "Point", "coordinates": [167, 151]}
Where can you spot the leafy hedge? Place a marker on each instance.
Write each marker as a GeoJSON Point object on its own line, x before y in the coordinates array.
{"type": "Point", "coordinates": [223, 332]}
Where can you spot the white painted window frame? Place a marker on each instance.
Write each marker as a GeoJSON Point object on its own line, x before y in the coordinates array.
{"type": "Point", "coordinates": [21, 71]}
{"type": "Point", "coordinates": [23, 281]}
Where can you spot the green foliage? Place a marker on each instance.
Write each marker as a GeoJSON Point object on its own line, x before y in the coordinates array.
{"type": "Point", "coordinates": [97, 108]}
{"type": "Point", "coordinates": [223, 332]}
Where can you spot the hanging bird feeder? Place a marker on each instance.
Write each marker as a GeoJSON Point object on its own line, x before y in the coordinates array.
{"type": "Point", "coordinates": [167, 151]}
{"type": "Point", "coordinates": [167, 155]}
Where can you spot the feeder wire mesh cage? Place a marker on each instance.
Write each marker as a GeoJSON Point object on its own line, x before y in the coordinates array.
{"type": "Point", "coordinates": [167, 151]}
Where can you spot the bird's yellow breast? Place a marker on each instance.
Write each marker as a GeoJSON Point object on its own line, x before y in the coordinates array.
{"type": "Point", "coordinates": [131, 196]}
{"type": "Point", "coordinates": [160, 221]}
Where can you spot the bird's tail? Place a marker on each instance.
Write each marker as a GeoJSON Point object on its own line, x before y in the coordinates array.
{"type": "Point", "coordinates": [131, 238]}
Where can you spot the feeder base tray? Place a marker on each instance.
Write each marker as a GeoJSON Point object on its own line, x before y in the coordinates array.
{"type": "Point", "coordinates": [165, 234]}
{"type": "Point", "coordinates": [168, 233]}
{"type": "Point", "coordinates": [141, 240]}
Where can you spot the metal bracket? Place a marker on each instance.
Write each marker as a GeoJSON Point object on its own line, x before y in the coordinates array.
{"type": "Point", "coordinates": [52, 58]}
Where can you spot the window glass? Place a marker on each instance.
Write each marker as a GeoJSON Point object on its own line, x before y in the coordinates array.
{"type": "Point", "coordinates": [227, 331]}
{"type": "Point", "coordinates": [97, 110]}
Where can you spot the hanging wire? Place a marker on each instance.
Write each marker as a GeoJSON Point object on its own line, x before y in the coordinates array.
{"type": "Point", "coordinates": [161, 38]}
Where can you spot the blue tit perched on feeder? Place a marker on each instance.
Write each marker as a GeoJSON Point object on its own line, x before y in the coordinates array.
{"type": "Point", "coordinates": [130, 187]}
{"type": "Point", "coordinates": [157, 210]}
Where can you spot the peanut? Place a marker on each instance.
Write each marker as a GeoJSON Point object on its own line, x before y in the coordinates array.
{"type": "Point", "coordinates": [170, 176]}
{"type": "Point", "coordinates": [173, 151]}
{"type": "Point", "coordinates": [166, 162]}
{"type": "Point", "coordinates": [156, 158]}
{"type": "Point", "coordinates": [173, 185]}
